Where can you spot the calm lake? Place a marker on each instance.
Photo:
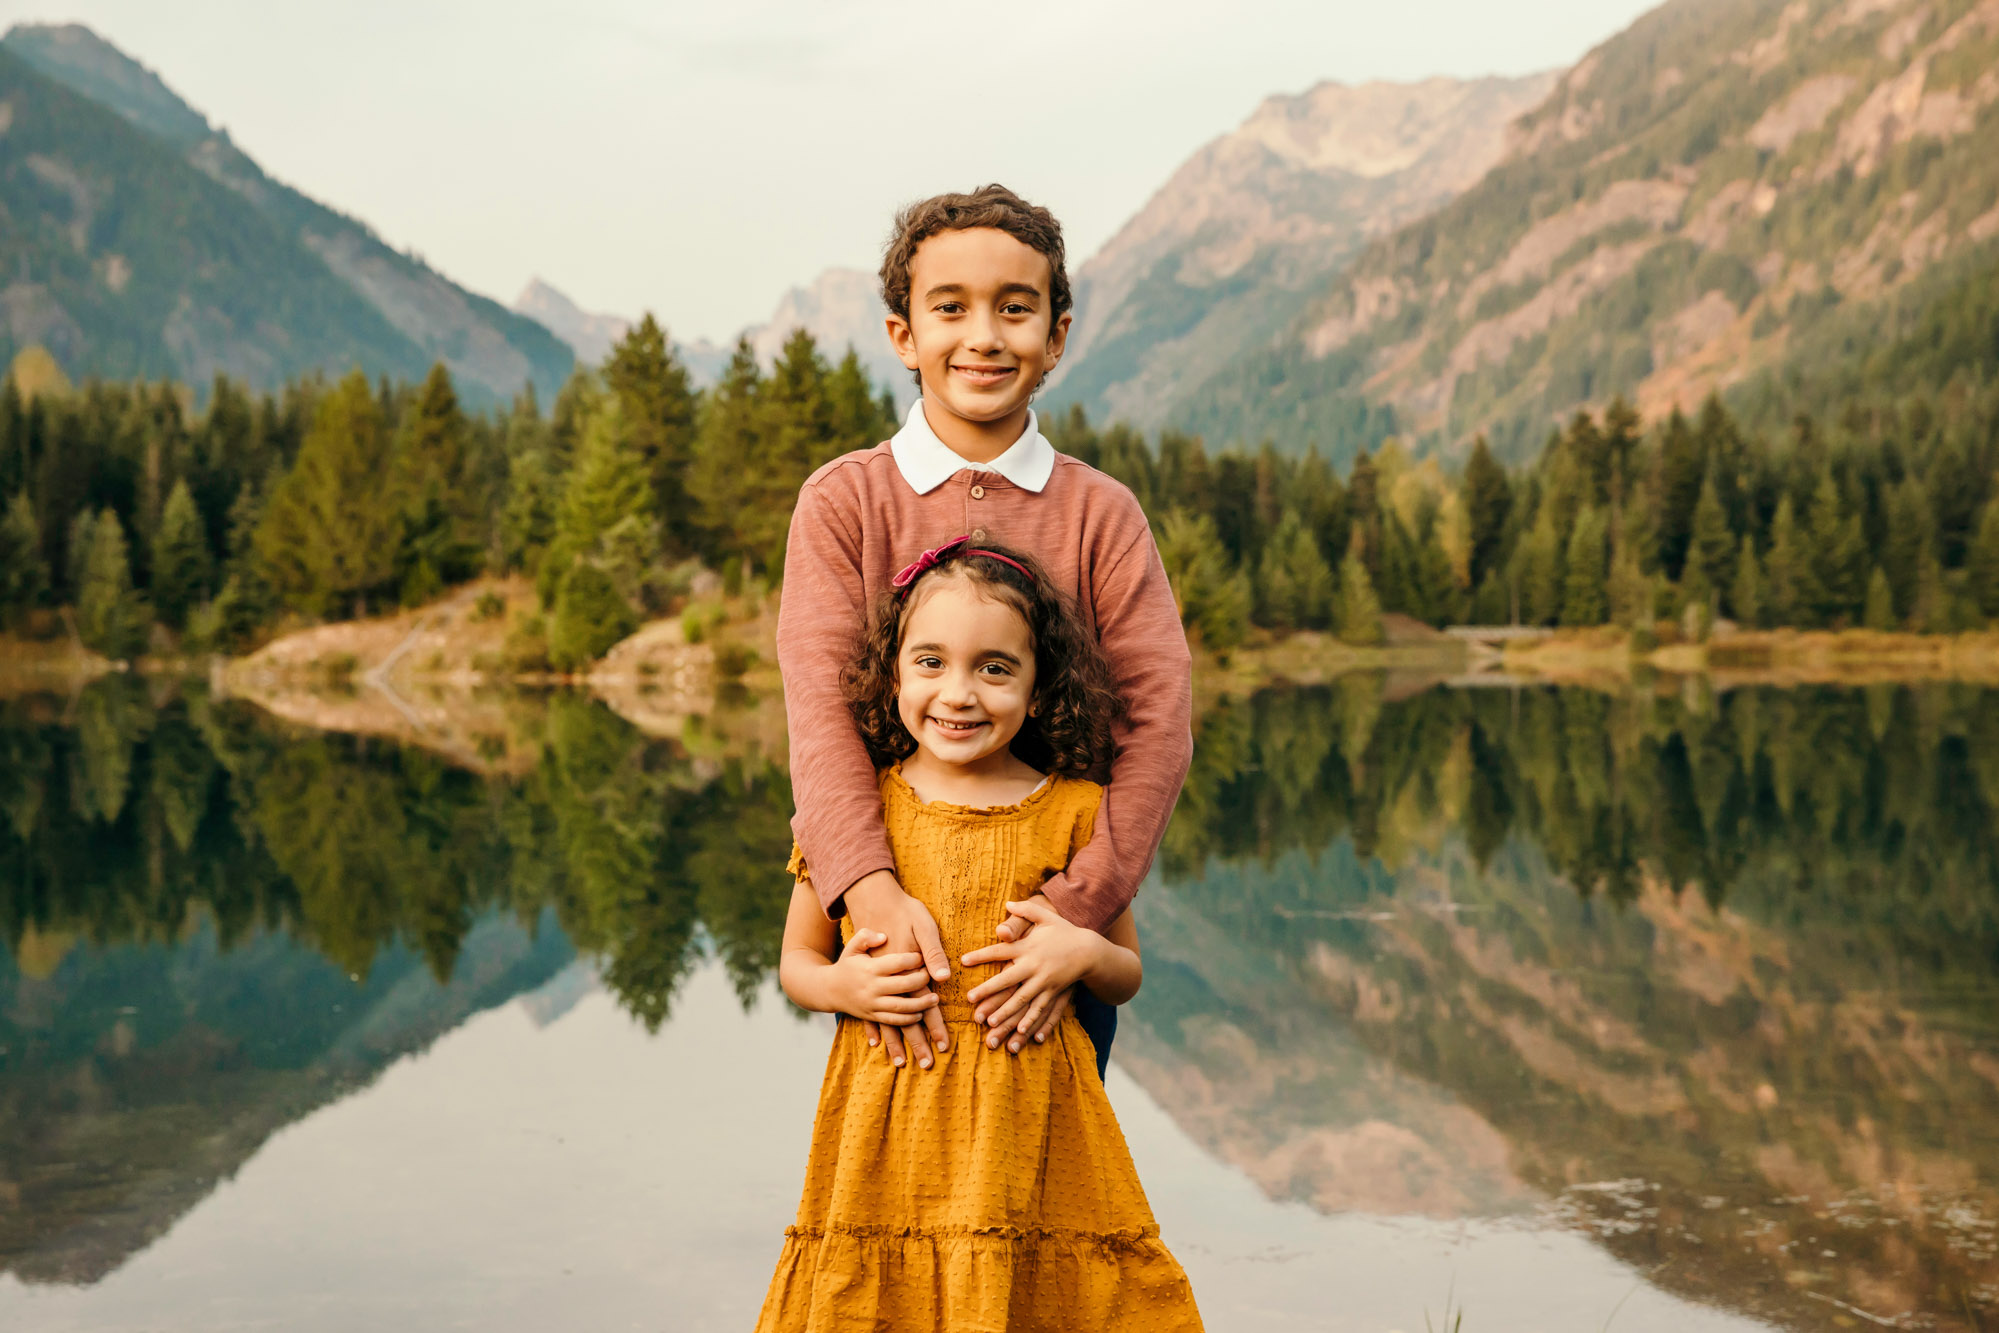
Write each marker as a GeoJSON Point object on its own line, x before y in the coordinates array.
{"type": "Point", "coordinates": [1670, 1010]}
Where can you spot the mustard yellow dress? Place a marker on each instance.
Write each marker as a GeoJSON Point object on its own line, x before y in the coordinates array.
{"type": "Point", "coordinates": [991, 1193]}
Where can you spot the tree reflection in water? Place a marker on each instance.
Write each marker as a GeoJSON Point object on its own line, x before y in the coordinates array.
{"type": "Point", "coordinates": [1712, 975]}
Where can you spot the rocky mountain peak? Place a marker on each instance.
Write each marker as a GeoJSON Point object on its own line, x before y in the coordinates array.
{"type": "Point", "coordinates": [1225, 252]}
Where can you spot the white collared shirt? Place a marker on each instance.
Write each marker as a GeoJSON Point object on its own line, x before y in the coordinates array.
{"type": "Point", "coordinates": [926, 462]}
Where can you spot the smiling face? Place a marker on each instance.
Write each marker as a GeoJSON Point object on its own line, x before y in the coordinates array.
{"type": "Point", "coordinates": [965, 675]}
{"type": "Point", "coordinates": [981, 329]}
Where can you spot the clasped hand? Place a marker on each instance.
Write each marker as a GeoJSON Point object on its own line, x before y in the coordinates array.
{"type": "Point", "coordinates": [1045, 956]}
{"type": "Point", "coordinates": [887, 982]}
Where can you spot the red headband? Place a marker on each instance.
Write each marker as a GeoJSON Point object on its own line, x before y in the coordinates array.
{"type": "Point", "coordinates": [937, 555]}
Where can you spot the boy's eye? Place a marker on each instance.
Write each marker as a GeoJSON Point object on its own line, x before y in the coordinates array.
{"type": "Point", "coordinates": [949, 308]}
{"type": "Point", "coordinates": [1016, 308]}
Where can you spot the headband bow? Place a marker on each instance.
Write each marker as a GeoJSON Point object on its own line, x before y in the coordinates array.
{"type": "Point", "coordinates": [937, 555]}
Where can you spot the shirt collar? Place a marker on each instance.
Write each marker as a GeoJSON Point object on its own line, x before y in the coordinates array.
{"type": "Point", "coordinates": [926, 462]}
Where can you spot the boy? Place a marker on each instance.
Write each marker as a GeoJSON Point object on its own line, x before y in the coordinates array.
{"type": "Point", "coordinates": [978, 299]}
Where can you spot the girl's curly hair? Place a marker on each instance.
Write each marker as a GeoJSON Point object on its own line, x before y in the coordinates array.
{"type": "Point", "coordinates": [1078, 705]}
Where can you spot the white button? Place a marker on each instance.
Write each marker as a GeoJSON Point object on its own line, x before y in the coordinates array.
{"type": "Point", "coordinates": [978, 492]}
{"type": "Point", "coordinates": [978, 534]}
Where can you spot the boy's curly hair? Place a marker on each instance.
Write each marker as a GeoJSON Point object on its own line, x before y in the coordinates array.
{"type": "Point", "coordinates": [1077, 701]}
{"type": "Point", "coordinates": [988, 206]}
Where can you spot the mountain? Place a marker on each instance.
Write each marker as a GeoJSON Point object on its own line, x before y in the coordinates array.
{"type": "Point", "coordinates": [1701, 200]}
{"type": "Point", "coordinates": [142, 242]}
{"type": "Point", "coordinates": [204, 1080]}
{"type": "Point", "coordinates": [591, 336]}
{"type": "Point", "coordinates": [1230, 249]}
{"type": "Point", "coordinates": [841, 308]}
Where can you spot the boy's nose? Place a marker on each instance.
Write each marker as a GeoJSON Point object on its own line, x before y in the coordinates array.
{"type": "Point", "coordinates": [982, 333]}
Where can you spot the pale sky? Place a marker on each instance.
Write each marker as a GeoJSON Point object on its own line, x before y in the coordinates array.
{"type": "Point", "coordinates": [697, 160]}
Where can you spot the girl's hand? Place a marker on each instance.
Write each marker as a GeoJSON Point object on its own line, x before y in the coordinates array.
{"type": "Point", "coordinates": [875, 987]}
{"type": "Point", "coordinates": [1039, 970]}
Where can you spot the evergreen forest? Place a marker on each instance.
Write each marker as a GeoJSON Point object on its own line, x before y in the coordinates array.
{"type": "Point", "coordinates": [144, 523]}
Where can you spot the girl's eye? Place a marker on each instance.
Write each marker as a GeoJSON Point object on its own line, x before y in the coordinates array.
{"type": "Point", "coordinates": [996, 669]}
{"type": "Point", "coordinates": [928, 662]}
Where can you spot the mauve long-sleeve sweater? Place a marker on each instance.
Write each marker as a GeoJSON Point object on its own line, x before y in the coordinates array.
{"type": "Point", "coordinates": [857, 523]}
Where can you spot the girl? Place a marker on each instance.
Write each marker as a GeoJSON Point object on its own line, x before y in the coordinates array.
{"type": "Point", "coordinates": [993, 1192]}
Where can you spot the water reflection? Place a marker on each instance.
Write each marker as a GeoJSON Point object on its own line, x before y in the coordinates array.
{"type": "Point", "coordinates": [1708, 978]}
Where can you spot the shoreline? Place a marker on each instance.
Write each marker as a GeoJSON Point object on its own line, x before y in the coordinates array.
{"type": "Point", "coordinates": [1744, 658]}
{"type": "Point", "coordinates": [658, 680]}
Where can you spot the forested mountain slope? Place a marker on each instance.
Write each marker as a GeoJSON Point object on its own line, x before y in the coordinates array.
{"type": "Point", "coordinates": [1253, 225]}
{"type": "Point", "coordinates": [1701, 203]}
{"type": "Point", "coordinates": [140, 242]}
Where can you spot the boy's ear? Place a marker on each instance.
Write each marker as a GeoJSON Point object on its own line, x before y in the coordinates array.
{"type": "Point", "coordinates": [903, 339]}
{"type": "Point", "coordinates": [1058, 339]}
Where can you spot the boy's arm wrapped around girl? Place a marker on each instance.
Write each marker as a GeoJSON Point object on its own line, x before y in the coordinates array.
{"type": "Point", "coordinates": [834, 783]}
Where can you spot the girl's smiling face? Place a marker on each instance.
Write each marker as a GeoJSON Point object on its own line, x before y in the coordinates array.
{"type": "Point", "coordinates": [965, 675]}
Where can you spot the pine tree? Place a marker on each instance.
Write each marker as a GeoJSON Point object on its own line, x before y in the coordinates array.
{"type": "Point", "coordinates": [1746, 588]}
{"type": "Point", "coordinates": [856, 417]}
{"type": "Point", "coordinates": [1880, 610]}
{"type": "Point", "coordinates": [1981, 563]}
{"type": "Point", "coordinates": [1440, 598]}
{"type": "Point", "coordinates": [331, 526]}
{"type": "Point", "coordinates": [1184, 480]}
{"type": "Point", "coordinates": [606, 517]}
{"type": "Point", "coordinates": [1364, 512]}
{"type": "Point", "coordinates": [590, 616]}
{"type": "Point", "coordinates": [442, 517]}
{"type": "Point", "coordinates": [1359, 618]}
{"type": "Point", "coordinates": [76, 553]}
{"type": "Point", "coordinates": [734, 503]}
{"type": "Point", "coordinates": [1783, 567]}
{"type": "Point", "coordinates": [1712, 546]}
{"type": "Point", "coordinates": [1294, 583]}
{"type": "Point", "coordinates": [658, 410]}
{"type": "Point", "coordinates": [1214, 599]}
{"type": "Point", "coordinates": [1680, 472]}
{"type": "Point", "coordinates": [24, 574]}
{"type": "Point", "coordinates": [1584, 598]}
{"type": "Point", "coordinates": [1232, 504]}
{"type": "Point", "coordinates": [1585, 444]}
{"type": "Point", "coordinates": [1488, 502]}
{"type": "Point", "coordinates": [247, 599]}
{"type": "Point", "coordinates": [1541, 572]}
{"type": "Point", "coordinates": [1623, 428]}
{"type": "Point", "coordinates": [1837, 553]}
{"type": "Point", "coordinates": [796, 435]}
{"type": "Point", "coordinates": [1628, 591]}
{"type": "Point", "coordinates": [1932, 610]}
{"type": "Point", "coordinates": [181, 567]}
{"type": "Point", "coordinates": [1398, 577]}
{"type": "Point", "coordinates": [111, 618]}
{"type": "Point", "coordinates": [1909, 531]}
{"type": "Point", "coordinates": [527, 517]}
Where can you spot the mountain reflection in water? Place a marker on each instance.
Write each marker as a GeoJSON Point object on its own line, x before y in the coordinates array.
{"type": "Point", "coordinates": [1711, 979]}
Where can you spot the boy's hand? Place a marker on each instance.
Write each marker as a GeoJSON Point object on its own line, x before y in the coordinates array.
{"type": "Point", "coordinates": [1040, 969]}
{"type": "Point", "coordinates": [878, 987]}
{"type": "Point", "coordinates": [878, 905]}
